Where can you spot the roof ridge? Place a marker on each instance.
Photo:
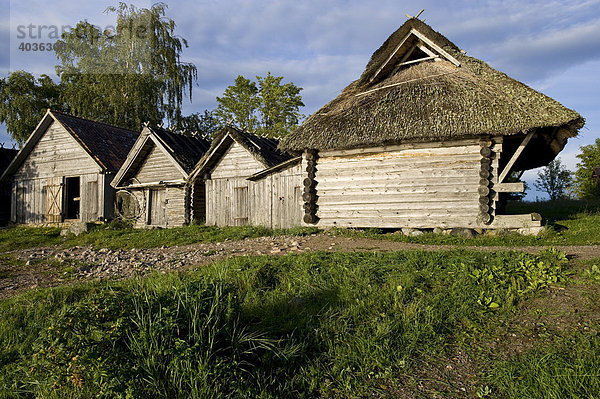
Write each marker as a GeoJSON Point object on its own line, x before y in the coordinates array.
{"type": "Point", "coordinates": [92, 120]}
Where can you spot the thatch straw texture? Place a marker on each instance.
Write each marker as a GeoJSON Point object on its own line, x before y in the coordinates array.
{"type": "Point", "coordinates": [428, 101]}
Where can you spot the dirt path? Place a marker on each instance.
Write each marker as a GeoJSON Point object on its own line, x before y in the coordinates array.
{"type": "Point", "coordinates": [42, 267]}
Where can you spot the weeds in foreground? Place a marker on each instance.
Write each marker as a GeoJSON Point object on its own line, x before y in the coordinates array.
{"type": "Point", "coordinates": [311, 325]}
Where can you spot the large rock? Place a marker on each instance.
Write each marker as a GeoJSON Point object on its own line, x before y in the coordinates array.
{"type": "Point", "coordinates": [79, 227]}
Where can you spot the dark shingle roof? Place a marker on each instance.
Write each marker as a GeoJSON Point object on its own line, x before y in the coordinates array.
{"type": "Point", "coordinates": [107, 144]}
{"type": "Point", "coordinates": [186, 150]}
{"type": "Point", "coordinates": [263, 148]}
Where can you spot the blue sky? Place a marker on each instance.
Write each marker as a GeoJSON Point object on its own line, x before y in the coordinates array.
{"type": "Point", "coordinates": [553, 46]}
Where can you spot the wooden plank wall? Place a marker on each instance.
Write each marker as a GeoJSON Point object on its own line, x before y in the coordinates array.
{"type": "Point", "coordinates": [230, 173]}
{"type": "Point", "coordinates": [418, 186]}
{"type": "Point", "coordinates": [175, 197]}
{"type": "Point", "coordinates": [261, 201]}
{"type": "Point", "coordinates": [157, 166]}
{"type": "Point", "coordinates": [277, 199]}
{"type": "Point", "coordinates": [57, 154]}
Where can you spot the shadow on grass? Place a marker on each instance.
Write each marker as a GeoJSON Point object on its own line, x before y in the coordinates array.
{"type": "Point", "coordinates": [553, 211]}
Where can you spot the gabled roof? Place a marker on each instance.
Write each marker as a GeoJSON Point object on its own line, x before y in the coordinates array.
{"type": "Point", "coordinates": [448, 96]}
{"type": "Point", "coordinates": [107, 145]}
{"type": "Point", "coordinates": [183, 151]}
{"type": "Point", "coordinates": [263, 149]}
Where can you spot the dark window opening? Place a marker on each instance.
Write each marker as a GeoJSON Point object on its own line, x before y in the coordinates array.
{"type": "Point", "coordinates": [73, 197]}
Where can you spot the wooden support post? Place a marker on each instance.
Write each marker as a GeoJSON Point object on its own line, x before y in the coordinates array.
{"type": "Point", "coordinates": [515, 156]}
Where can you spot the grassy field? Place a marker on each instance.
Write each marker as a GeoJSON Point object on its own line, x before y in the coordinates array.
{"type": "Point", "coordinates": [569, 223]}
{"type": "Point", "coordinates": [312, 325]}
{"type": "Point", "coordinates": [116, 236]}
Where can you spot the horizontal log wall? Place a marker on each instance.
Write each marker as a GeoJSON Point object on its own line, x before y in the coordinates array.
{"type": "Point", "coordinates": [175, 207]}
{"type": "Point", "coordinates": [235, 163]}
{"type": "Point", "coordinates": [418, 186]}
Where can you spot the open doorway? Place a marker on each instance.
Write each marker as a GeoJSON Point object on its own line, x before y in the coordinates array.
{"type": "Point", "coordinates": [72, 197]}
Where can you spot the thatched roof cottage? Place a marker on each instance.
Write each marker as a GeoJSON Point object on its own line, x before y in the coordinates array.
{"type": "Point", "coordinates": [426, 137]}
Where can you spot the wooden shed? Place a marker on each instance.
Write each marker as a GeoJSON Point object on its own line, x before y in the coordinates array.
{"type": "Point", "coordinates": [6, 157]}
{"type": "Point", "coordinates": [151, 183]}
{"type": "Point", "coordinates": [249, 182]}
{"type": "Point", "coordinates": [427, 137]}
{"type": "Point", "coordinates": [64, 170]}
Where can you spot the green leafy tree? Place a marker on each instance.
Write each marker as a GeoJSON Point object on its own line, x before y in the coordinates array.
{"type": "Point", "coordinates": [24, 100]}
{"type": "Point", "coordinates": [267, 107]}
{"type": "Point", "coordinates": [129, 76]}
{"type": "Point", "coordinates": [555, 180]}
{"type": "Point", "coordinates": [589, 158]}
{"type": "Point", "coordinates": [239, 104]}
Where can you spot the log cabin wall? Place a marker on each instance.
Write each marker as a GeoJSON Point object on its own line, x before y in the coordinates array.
{"type": "Point", "coordinates": [423, 185]}
{"type": "Point", "coordinates": [227, 193]}
{"type": "Point", "coordinates": [56, 156]}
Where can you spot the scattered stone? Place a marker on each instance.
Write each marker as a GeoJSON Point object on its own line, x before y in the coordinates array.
{"type": "Point", "coordinates": [79, 227]}
{"type": "Point", "coordinates": [438, 230]}
{"type": "Point", "coordinates": [532, 231]}
{"type": "Point", "coordinates": [407, 231]}
{"type": "Point", "coordinates": [462, 232]}
{"type": "Point", "coordinates": [416, 233]}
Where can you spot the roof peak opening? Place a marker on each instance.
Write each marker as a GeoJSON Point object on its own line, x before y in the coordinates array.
{"type": "Point", "coordinates": [415, 47]}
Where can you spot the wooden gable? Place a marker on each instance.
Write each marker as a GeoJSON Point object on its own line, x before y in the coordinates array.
{"type": "Point", "coordinates": [56, 153]}
{"type": "Point", "coordinates": [236, 162]}
{"type": "Point", "coordinates": [156, 166]}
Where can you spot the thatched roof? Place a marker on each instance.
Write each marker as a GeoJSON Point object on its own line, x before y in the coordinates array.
{"type": "Point", "coordinates": [427, 101]}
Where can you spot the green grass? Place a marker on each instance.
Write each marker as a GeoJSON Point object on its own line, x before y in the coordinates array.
{"type": "Point", "coordinates": [311, 325]}
{"type": "Point", "coordinates": [108, 236]}
{"type": "Point", "coordinates": [569, 222]}
{"type": "Point", "coordinates": [569, 368]}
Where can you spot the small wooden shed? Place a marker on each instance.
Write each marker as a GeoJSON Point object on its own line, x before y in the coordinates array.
{"type": "Point", "coordinates": [151, 183]}
{"type": "Point", "coordinates": [427, 137]}
{"type": "Point", "coordinates": [6, 157]}
{"type": "Point", "coordinates": [64, 170]}
{"type": "Point", "coordinates": [249, 182]}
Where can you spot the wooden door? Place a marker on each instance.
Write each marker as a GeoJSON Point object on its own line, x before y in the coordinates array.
{"type": "Point", "coordinates": [54, 200]}
{"type": "Point", "coordinates": [157, 213]}
{"type": "Point", "coordinates": [240, 206]}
